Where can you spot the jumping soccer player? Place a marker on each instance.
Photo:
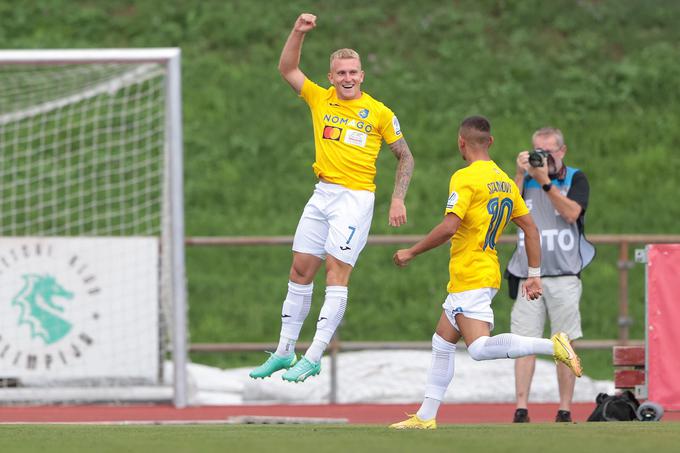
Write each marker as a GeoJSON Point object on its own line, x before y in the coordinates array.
{"type": "Point", "coordinates": [349, 126]}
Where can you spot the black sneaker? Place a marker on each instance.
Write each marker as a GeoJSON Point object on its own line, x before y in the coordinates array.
{"type": "Point", "coordinates": [521, 416]}
{"type": "Point", "coordinates": [563, 416]}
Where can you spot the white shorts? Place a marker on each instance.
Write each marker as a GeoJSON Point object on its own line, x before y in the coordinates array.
{"type": "Point", "coordinates": [336, 221]}
{"type": "Point", "coordinates": [475, 304]}
{"type": "Point", "coordinates": [559, 302]}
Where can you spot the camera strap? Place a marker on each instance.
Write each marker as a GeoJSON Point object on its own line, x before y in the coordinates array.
{"type": "Point", "coordinates": [560, 175]}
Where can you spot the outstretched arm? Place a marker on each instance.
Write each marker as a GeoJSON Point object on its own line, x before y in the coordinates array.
{"type": "Point", "coordinates": [531, 288]}
{"type": "Point", "coordinates": [290, 55]}
{"type": "Point", "coordinates": [397, 216]}
{"type": "Point", "coordinates": [439, 235]}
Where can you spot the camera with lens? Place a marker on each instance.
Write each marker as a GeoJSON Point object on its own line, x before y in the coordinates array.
{"type": "Point", "coordinates": [536, 157]}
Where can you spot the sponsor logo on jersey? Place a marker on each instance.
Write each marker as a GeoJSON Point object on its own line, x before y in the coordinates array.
{"type": "Point", "coordinates": [356, 138]}
{"type": "Point", "coordinates": [332, 133]}
{"type": "Point", "coordinates": [453, 199]}
{"type": "Point", "coordinates": [363, 113]}
{"type": "Point", "coordinates": [396, 126]}
{"type": "Point", "coordinates": [340, 121]}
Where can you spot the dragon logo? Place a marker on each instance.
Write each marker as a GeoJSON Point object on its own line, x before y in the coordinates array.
{"type": "Point", "coordinates": [39, 310]}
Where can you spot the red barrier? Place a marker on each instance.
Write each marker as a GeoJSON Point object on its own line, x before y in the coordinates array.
{"type": "Point", "coordinates": [663, 318]}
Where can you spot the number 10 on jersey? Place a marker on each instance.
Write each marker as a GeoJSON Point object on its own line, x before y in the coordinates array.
{"type": "Point", "coordinates": [500, 211]}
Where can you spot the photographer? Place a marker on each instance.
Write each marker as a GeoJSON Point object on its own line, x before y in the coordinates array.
{"type": "Point", "coordinates": [557, 197]}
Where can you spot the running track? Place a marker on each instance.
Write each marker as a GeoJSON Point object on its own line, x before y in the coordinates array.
{"type": "Point", "coordinates": [353, 413]}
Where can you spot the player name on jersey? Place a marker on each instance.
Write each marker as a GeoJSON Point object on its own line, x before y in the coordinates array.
{"type": "Point", "coordinates": [499, 186]}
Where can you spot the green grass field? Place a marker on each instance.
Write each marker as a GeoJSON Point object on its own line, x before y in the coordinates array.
{"type": "Point", "coordinates": [574, 438]}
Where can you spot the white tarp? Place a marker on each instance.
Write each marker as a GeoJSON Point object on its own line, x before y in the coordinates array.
{"type": "Point", "coordinates": [384, 377]}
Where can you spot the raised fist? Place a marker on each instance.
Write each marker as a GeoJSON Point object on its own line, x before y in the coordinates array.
{"type": "Point", "coordinates": [305, 22]}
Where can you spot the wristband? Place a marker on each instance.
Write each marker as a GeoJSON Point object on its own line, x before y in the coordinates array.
{"type": "Point", "coordinates": [534, 272]}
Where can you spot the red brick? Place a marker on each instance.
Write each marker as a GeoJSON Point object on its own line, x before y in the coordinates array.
{"type": "Point", "coordinates": [629, 355]}
{"type": "Point", "coordinates": [628, 378]}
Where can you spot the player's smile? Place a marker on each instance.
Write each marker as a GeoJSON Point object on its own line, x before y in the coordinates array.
{"type": "Point", "coordinates": [348, 88]}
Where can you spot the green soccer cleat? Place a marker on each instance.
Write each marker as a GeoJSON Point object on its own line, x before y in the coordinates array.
{"type": "Point", "coordinates": [302, 370]}
{"type": "Point", "coordinates": [273, 364]}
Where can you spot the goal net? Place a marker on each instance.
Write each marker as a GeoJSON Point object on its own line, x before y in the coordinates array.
{"type": "Point", "coordinates": [92, 295]}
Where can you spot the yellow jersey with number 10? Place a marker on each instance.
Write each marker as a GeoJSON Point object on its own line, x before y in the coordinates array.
{"type": "Point", "coordinates": [485, 199]}
{"type": "Point", "coordinates": [348, 135]}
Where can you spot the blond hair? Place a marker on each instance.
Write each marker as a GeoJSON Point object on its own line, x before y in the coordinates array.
{"type": "Point", "coordinates": [550, 132]}
{"type": "Point", "coordinates": [344, 53]}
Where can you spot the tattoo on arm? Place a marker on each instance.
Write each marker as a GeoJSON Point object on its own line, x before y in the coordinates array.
{"type": "Point", "coordinates": [404, 167]}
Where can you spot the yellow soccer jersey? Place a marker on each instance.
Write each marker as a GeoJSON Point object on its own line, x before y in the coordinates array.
{"type": "Point", "coordinates": [485, 199]}
{"type": "Point", "coordinates": [348, 135]}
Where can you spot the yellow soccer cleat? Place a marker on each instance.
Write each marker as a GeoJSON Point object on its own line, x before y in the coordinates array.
{"type": "Point", "coordinates": [414, 422]}
{"type": "Point", "coordinates": [563, 352]}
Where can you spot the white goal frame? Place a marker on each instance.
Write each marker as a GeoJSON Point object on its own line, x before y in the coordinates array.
{"type": "Point", "coordinates": [173, 185]}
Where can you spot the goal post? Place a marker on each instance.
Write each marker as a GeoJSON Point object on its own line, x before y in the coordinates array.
{"type": "Point", "coordinates": [92, 270]}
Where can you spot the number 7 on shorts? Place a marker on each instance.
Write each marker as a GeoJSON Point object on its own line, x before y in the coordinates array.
{"type": "Point", "coordinates": [354, 229]}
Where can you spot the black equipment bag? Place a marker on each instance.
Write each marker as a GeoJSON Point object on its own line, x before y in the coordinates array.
{"type": "Point", "coordinates": [613, 408]}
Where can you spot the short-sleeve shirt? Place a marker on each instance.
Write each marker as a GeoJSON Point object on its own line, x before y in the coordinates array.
{"type": "Point", "coordinates": [485, 199]}
{"type": "Point", "coordinates": [348, 135]}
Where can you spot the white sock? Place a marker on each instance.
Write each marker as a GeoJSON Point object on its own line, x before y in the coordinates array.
{"type": "Point", "coordinates": [428, 410]}
{"type": "Point", "coordinates": [331, 313]}
{"type": "Point", "coordinates": [315, 350]}
{"type": "Point", "coordinates": [508, 346]}
{"type": "Point", "coordinates": [439, 376]}
{"type": "Point", "coordinates": [293, 314]}
{"type": "Point", "coordinates": [285, 347]}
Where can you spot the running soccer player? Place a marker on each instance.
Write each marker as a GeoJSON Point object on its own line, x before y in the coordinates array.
{"type": "Point", "coordinates": [349, 127]}
{"type": "Point", "coordinates": [482, 198]}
